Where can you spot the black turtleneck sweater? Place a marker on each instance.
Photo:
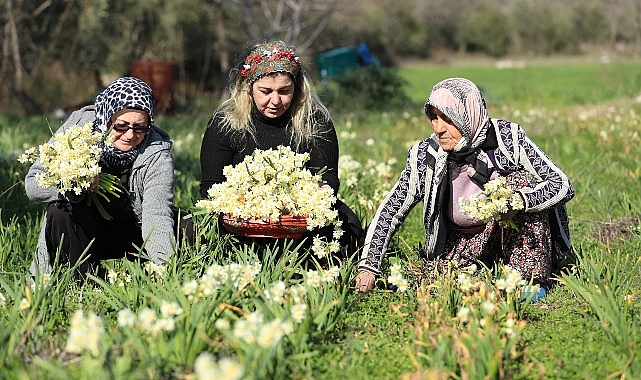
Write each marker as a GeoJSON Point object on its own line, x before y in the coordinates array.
{"type": "Point", "coordinates": [220, 148]}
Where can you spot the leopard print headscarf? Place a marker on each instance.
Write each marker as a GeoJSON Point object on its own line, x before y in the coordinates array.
{"type": "Point", "coordinates": [123, 93]}
{"type": "Point", "coordinates": [126, 92]}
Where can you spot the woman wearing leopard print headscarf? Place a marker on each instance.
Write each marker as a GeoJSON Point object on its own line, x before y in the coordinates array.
{"type": "Point", "coordinates": [138, 153]}
{"type": "Point", "coordinates": [466, 150]}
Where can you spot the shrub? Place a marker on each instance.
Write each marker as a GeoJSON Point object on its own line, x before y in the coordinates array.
{"type": "Point", "coordinates": [366, 88]}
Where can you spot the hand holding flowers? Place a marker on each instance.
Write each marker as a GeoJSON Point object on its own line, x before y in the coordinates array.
{"type": "Point", "coordinates": [497, 202]}
{"type": "Point", "coordinates": [70, 162]}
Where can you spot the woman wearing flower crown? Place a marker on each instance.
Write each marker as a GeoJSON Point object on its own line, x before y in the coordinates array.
{"type": "Point", "coordinates": [466, 150]}
{"type": "Point", "coordinates": [272, 102]}
{"type": "Point", "coordinates": [137, 153]}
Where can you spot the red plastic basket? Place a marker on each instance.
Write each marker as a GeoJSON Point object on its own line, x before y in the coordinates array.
{"type": "Point", "coordinates": [287, 226]}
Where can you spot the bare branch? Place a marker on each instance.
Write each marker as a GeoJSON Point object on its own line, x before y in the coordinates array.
{"type": "Point", "coordinates": [41, 8]}
{"type": "Point", "coordinates": [248, 19]}
{"type": "Point", "coordinates": [324, 19]}
{"type": "Point", "coordinates": [295, 30]}
{"type": "Point", "coordinates": [12, 36]}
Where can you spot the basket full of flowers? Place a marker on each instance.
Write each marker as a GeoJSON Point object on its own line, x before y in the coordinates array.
{"type": "Point", "coordinates": [272, 194]}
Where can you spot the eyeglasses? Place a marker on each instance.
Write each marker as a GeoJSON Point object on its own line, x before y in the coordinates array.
{"type": "Point", "coordinates": [124, 127]}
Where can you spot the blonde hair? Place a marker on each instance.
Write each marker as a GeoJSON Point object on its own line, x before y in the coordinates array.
{"type": "Point", "coordinates": [307, 109]}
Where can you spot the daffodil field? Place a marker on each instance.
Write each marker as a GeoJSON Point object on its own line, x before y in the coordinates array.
{"type": "Point", "coordinates": [224, 310]}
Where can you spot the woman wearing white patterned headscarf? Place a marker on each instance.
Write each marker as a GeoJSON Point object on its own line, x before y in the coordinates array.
{"type": "Point", "coordinates": [138, 153]}
{"type": "Point", "coordinates": [466, 150]}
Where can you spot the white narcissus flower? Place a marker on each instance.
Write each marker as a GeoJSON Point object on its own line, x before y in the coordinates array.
{"type": "Point", "coordinates": [165, 324]}
{"type": "Point", "coordinates": [24, 304]}
{"type": "Point", "coordinates": [112, 276]}
{"type": "Point", "coordinates": [126, 318]}
{"type": "Point", "coordinates": [508, 328]}
{"type": "Point", "coordinates": [155, 270]}
{"type": "Point", "coordinates": [298, 312]}
{"type": "Point", "coordinates": [242, 330]}
{"type": "Point", "coordinates": [513, 280]}
{"type": "Point", "coordinates": [222, 324]}
{"type": "Point", "coordinates": [396, 278]}
{"type": "Point", "coordinates": [297, 293]}
{"type": "Point", "coordinates": [189, 288]}
{"type": "Point", "coordinates": [70, 159]}
{"type": "Point", "coordinates": [276, 293]}
{"type": "Point", "coordinates": [170, 309]}
{"type": "Point", "coordinates": [496, 199]}
{"type": "Point", "coordinates": [330, 275]}
{"type": "Point", "coordinates": [488, 307]}
{"type": "Point", "coordinates": [230, 369]}
{"type": "Point", "coordinates": [463, 314]}
{"type": "Point", "coordinates": [84, 333]}
{"type": "Point", "coordinates": [465, 282]}
{"type": "Point", "coordinates": [313, 279]}
{"type": "Point", "coordinates": [206, 367]}
{"type": "Point", "coordinates": [147, 319]}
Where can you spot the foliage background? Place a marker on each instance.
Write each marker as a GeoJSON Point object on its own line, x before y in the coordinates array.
{"type": "Point", "coordinates": [58, 54]}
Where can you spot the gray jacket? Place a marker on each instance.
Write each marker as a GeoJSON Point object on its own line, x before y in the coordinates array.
{"type": "Point", "coordinates": [150, 189]}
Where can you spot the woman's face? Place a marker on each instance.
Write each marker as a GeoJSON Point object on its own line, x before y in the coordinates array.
{"type": "Point", "coordinates": [273, 94]}
{"type": "Point", "coordinates": [129, 128]}
{"type": "Point", "coordinates": [447, 133]}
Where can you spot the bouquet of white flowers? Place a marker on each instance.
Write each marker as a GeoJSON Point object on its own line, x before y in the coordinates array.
{"type": "Point", "coordinates": [70, 163]}
{"type": "Point", "coordinates": [496, 199]}
{"type": "Point", "coordinates": [273, 185]}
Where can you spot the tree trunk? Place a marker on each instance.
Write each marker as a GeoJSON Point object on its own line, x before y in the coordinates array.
{"type": "Point", "coordinates": [223, 46]}
{"type": "Point", "coordinates": [12, 45]}
{"type": "Point", "coordinates": [637, 50]}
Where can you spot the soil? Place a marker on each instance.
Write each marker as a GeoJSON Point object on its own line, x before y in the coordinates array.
{"type": "Point", "coordinates": [617, 229]}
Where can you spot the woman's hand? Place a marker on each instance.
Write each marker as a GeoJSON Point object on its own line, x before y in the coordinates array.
{"type": "Point", "coordinates": [365, 281]}
{"type": "Point", "coordinates": [510, 214]}
{"type": "Point", "coordinates": [94, 182]}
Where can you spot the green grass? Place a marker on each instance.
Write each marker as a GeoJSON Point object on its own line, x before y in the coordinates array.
{"type": "Point", "coordinates": [581, 114]}
{"type": "Point", "coordinates": [537, 84]}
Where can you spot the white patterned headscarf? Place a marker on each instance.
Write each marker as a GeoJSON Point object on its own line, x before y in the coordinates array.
{"type": "Point", "coordinates": [460, 100]}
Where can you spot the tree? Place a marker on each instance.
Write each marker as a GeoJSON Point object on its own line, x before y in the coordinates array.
{"type": "Point", "coordinates": [295, 22]}
{"type": "Point", "coordinates": [11, 48]}
{"type": "Point", "coordinates": [62, 50]}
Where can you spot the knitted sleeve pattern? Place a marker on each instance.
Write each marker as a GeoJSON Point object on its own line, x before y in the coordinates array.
{"type": "Point", "coordinates": [405, 194]}
{"type": "Point", "coordinates": [517, 152]}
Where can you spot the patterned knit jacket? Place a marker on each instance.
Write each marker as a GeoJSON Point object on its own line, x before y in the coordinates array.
{"type": "Point", "coordinates": [150, 189]}
{"type": "Point", "coordinates": [510, 150]}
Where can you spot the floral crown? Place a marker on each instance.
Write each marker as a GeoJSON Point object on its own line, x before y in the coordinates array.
{"type": "Point", "coordinates": [270, 58]}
